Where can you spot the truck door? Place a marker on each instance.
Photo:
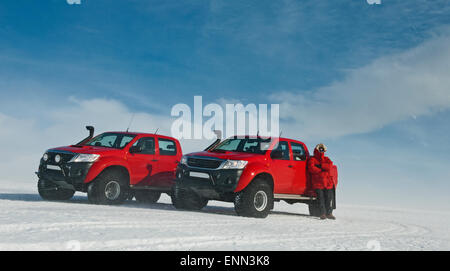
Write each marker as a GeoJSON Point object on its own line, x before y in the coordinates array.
{"type": "Point", "coordinates": [299, 184]}
{"type": "Point", "coordinates": [142, 162]}
{"type": "Point", "coordinates": [282, 168]}
{"type": "Point", "coordinates": [168, 157]}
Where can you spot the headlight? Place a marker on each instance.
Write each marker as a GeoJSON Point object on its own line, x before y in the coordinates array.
{"type": "Point", "coordinates": [88, 158]}
{"type": "Point", "coordinates": [58, 158]}
{"type": "Point", "coordinates": [183, 160]}
{"type": "Point", "coordinates": [234, 164]}
{"type": "Point", "coordinates": [45, 157]}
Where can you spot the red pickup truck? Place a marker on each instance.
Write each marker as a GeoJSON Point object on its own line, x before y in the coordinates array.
{"type": "Point", "coordinates": [252, 172]}
{"type": "Point", "coordinates": [111, 167]}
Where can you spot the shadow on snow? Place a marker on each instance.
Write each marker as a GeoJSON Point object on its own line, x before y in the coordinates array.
{"type": "Point", "coordinates": [134, 204]}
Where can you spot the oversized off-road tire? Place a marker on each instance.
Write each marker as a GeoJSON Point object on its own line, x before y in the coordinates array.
{"type": "Point", "coordinates": [187, 200]}
{"type": "Point", "coordinates": [256, 200]}
{"type": "Point", "coordinates": [314, 209]}
{"type": "Point", "coordinates": [109, 188]}
{"type": "Point", "coordinates": [49, 191]}
{"type": "Point", "coordinates": [147, 196]}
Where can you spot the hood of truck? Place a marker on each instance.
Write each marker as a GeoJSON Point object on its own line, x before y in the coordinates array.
{"type": "Point", "coordinates": [228, 155]}
{"type": "Point", "coordinates": [86, 149]}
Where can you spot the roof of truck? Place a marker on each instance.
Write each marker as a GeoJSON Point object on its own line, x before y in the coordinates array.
{"type": "Point", "coordinates": [140, 134]}
{"type": "Point", "coordinates": [266, 137]}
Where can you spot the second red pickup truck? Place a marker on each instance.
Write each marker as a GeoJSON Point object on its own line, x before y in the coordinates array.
{"type": "Point", "coordinates": [252, 172]}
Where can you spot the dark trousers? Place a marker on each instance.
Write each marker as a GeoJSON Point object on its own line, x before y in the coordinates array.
{"type": "Point", "coordinates": [325, 198]}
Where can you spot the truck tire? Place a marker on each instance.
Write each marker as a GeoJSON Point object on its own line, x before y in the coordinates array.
{"type": "Point", "coordinates": [256, 200]}
{"type": "Point", "coordinates": [314, 209]}
{"type": "Point", "coordinates": [50, 191]}
{"type": "Point", "coordinates": [146, 196]}
{"type": "Point", "coordinates": [109, 188]}
{"type": "Point", "coordinates": [187, 200]}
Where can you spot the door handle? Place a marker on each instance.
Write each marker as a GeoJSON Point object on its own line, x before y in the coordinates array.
{"type": "Point", "coordinates": [290, 166]}
{"type": "Point", "coordinates": [154, 160]}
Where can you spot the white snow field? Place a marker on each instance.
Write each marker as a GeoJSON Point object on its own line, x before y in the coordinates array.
{"type": "Point", "coordinates": [29, 223]}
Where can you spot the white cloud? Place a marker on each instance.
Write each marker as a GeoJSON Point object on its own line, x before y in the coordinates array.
{"type": "Point", "coordinates": [390, 89]}
{"type": "Point", "coordinates": [24, 140]}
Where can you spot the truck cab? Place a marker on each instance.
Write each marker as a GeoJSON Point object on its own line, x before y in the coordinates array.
{"type": "Point", "coordinates": [111, 168]}
{"type": "Point", "coordinates": [252, 172]}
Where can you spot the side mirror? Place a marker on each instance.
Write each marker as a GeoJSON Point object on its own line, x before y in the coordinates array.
{"type": "Point", "coordinates": [276, 154]}
{"type": "Point", "coordinates": [135, 149]}
{"type": "Point", "coordinates": [171, 147]}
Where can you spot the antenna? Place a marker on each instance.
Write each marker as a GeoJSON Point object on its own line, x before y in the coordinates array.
{"type": "Point", "coordinates": [129, 124]}
{"type": "Point", "coordinates": [156, 131]}
{"type": "Point", "coordinates": [281, 131]}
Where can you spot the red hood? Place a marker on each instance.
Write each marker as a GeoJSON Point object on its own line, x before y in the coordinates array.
{"type": "Point", "coordinates": [86, 149]}
{"type": "Point", "coordinates": [229, 155]}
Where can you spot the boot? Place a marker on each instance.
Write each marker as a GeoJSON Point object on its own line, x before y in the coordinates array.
{"type": "Point", "coordinates": [323, 217]}
{"type": "Point", "coordinates": [331, 216]}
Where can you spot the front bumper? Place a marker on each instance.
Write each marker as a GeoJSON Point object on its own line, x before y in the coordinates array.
{"type": "Point", "coordinates": [70, 175]}
{"type": "Point", "coordinates": [220, 185]}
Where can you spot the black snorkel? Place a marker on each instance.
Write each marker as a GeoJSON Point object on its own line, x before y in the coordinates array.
{"type": "Point", "coordinates": [216, 142]}
{"type": "Point", "coordinates": [91, 135]}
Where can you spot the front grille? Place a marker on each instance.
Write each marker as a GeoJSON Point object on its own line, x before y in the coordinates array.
{"type": "Point", "coordinates": [57, 175]}
{"type": "Point", "coordinates": [65, 157]}
{"type": "Point", "coordinates": [204, 163]}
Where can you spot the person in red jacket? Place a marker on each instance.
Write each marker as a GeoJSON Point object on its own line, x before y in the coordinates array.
{"type": "Point", "coordinates": [320, 167]}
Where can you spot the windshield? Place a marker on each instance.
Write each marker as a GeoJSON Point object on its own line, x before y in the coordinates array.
{"type": "Point", "coordinates": [111, 140]}
{"type": "Point", "coordinates": [247, 145]}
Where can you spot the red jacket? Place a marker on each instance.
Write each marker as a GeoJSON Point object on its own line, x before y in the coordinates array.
{"type": "Point", "coordinates": [321, 169]}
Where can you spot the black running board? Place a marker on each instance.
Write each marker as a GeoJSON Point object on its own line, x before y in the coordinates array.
{"type": "Point", "coordinates": [292, 196]}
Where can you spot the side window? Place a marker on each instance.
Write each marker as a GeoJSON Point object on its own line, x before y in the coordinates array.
{"type": "Point", "coordinates": [298, 152]}
{"type": "Point", "coordinates": [167, 147]}
{"type": "Point", "coordinates": [281, 152]}
{"type": "Point", "coordinates": [146, 144]}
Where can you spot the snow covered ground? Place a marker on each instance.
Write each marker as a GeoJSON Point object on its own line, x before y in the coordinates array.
{"type": "Point", "coordinates": [29, 223]}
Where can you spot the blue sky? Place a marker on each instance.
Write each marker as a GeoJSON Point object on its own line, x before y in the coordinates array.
{"type": "Point", "coordinates": [371, 81]}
